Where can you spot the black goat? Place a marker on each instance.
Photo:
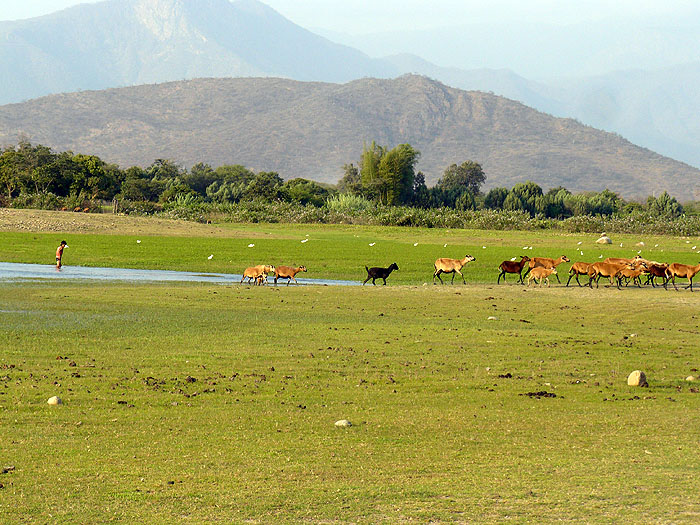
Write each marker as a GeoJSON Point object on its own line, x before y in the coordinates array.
{"type": "Point", "coordinates": [379, 273]}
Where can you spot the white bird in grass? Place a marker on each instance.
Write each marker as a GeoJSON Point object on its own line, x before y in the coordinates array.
{"type": "Point", "coordinates": [138, 241]}
{"type": "Point", "coordinates": [513, 258]}
{"type": "Point", "coordinates": [656, 246]}
{"type": "Point", "coordinates": [445, 246]}
{"type": "Point", "coordinates": [581, 253]}
{"type": "Point", "coordinates": [579, 243]}
{"type": "Point", "coordinates": [304, 240]}
{"type": "Point", "coordinates": [415, 244]}
{"type": "Point", "coordinates": [620, 245]}
{"type": "Point", "coordinates": [484, 247]}
{"type": "Point", "coordinates": [600, 256]}
{"type": "Point", "coordinates": [524, 247]}
{"type": "Point", "coordinates": [211, 257]}
{"type": "Point", "coordinates": [372, 243]}
{"type": "Point", "coordinates": [251, 245]}
{"type": "Point", "coordinates": [693, 247]}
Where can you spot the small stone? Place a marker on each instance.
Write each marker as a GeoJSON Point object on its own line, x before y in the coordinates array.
{"type": "Point", "coordinates": [55, 400]}
{"type": "Point", "coordinates": [690, 378]}
{"type": "Point", "coordinates": [492, 318]}
{"type": "Point", "coordinates": [343, 423]}
{"type": "Point", "coordinates": [637, 378]}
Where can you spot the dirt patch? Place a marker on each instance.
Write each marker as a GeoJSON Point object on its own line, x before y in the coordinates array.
{"type": "Point", "coordinates": [539, 395]}
{"type": "Point", "coordinates": [38, 221]}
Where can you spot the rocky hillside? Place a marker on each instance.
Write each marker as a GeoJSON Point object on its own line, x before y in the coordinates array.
{"type": "Point", "coordinates": [311, 129]}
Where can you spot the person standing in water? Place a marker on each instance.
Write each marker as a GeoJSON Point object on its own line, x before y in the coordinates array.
{"type": "Point", "coordinates": [59, 254]}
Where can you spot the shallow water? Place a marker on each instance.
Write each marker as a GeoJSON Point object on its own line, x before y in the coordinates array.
{"type": "Point", "coordinates": [24, 272]}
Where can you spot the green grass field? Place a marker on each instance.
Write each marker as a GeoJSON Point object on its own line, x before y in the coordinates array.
{"type": "Point", "coordinates": [331, 252]}
{"type": "Point", "coordinates": [199, 403]}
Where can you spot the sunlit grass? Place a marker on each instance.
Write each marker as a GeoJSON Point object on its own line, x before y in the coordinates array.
{"type": "Point", "coordinates": [212, 403]}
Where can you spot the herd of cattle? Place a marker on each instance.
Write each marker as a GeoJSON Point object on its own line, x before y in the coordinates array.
{"type": "Point", "coordinates": [537, 269]}
{"type": "Point", "coordinates": [617, 269]}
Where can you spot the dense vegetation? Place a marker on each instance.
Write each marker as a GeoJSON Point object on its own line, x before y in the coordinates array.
{"type": "Point", "coordinates": [383, 189]}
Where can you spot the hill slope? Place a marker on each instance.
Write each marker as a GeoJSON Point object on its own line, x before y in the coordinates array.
{"type": "Point", "coordinates": [311, 129]}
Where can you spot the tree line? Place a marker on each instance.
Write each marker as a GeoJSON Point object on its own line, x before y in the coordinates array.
{"type": "Point", "coordinates": [35, 176]}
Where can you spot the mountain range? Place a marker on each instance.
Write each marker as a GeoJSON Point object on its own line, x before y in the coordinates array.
{"type": "Point", "coordinates": [134, 42]}
{"type": "Point", "coordinates": [311, 129]}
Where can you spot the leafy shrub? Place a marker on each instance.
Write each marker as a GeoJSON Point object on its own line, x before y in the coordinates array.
{"type": "Point", "coordinates": [40, 201]}
{"type": "Point", "coordinates": [348, 203]}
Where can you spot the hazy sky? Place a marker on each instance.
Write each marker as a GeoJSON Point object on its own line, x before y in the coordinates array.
{"type": "Point", "coordinates": [368, 16]}
{"type": "Point", "coordinates": [539, 39]}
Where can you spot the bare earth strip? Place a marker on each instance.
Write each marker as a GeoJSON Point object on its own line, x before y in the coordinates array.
{"type": "Point", "coordinates": [12, 220]}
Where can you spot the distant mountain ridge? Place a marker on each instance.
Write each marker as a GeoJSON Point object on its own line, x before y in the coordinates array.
{"type": "Point", "coordinates": [310, 129]}
{"type": "Point", "coordinates": [132, 42]}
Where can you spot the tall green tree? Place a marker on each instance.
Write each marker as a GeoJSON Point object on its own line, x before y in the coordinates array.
{"type": "Point", "coordinates": [350, 182]}
{"type": "Point", "coordinates": [369, 165]}
{"type": "Point", "coordinates": [664, 206]}
{"type": "Point", "coordinates": [467, 176]}
{"type": "Point", "coordinates": [10, 172]}
{"type": "Point", "coordinates": [396, 170]}
{"type": "Point", "coordinates": [495, 197]}
{"type": "Point", "coordinates": [267, 186]}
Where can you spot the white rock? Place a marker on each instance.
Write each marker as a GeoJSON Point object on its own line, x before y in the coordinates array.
{"type": "Point", "coordinates": [343, 423]}
{"type": "Point", "coordinates": [690, 378]}
{"type": "Point", "coordinates": [55, 400]}
{"type": "Point", "coordinates": [637, 378]}
{"type": "Point", "coordinates": [492, 318]}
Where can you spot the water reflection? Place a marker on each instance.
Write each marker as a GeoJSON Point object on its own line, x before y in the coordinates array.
{"type": "Point", "coordinates": [24, 272]}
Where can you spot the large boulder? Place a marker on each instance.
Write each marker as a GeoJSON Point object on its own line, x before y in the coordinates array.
{"type": "Point", "coordinates": [637, 378]}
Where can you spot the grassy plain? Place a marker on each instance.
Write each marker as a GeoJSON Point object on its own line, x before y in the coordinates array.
{"type": "Point", "coordinates": [198, 403]}
{"type": "Point", "coordinates": [331, 252]}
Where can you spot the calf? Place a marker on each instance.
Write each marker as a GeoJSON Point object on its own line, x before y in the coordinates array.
{"type": "Point", "coordinates": [257, 274]}
{"type": "Point", "coordinates": [379, 273]}
{"type": "Point", "coordinates": [546, 262]}
{"type": "Point", "coordinates": [541, 273]}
